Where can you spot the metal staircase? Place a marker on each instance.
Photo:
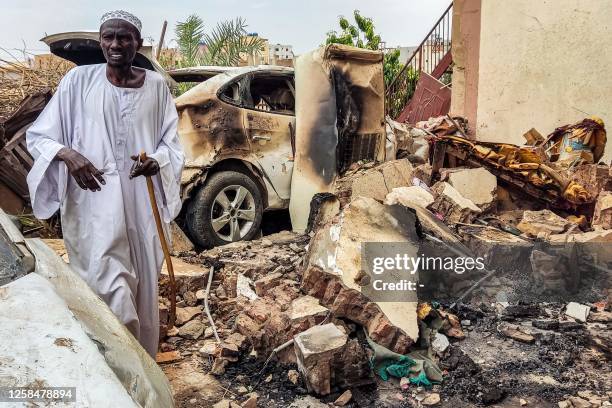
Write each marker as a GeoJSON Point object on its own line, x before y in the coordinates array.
{"type": "Point", "coordinates": [432, 57]}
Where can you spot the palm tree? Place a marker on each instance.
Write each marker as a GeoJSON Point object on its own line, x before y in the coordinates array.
{"type": "Point", "coordinates": [224, 45]}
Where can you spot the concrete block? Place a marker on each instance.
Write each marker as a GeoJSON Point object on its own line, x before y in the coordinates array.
{"type": "Point", "coordinates": [577, 311]}
{"type": "Point", "coordinates": [315, 350]}
{"type": "Point", "coordinates": [452, 205]}
{"type": "Point", "coordinates": [410, 197]}
{"type": "Point", "coordinates": [477, 185]}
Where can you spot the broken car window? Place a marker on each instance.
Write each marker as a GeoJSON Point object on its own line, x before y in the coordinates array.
{"type": "Point", "coordinates": [272, 94]}
{"type": "Point", "coordinates": [231, 93]}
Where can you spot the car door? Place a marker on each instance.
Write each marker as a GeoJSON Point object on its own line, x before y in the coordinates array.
{"type": "Point", "coordinates": [269, 119]}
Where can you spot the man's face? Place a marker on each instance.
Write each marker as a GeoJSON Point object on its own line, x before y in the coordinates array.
{"type": "Point", "coordinates": [119, 41]}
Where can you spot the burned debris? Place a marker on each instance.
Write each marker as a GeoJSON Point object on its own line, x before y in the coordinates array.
{"type": "Point", "coordinates": [296, 314]}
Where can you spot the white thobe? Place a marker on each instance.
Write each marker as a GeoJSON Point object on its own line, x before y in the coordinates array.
{"type": "Point", "coordinates": [110, 235]}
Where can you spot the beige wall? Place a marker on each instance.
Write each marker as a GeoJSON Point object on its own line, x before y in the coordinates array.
{"type": "Point", "coordinates": [543, 64]}
{"type": "Point", "coordinates": [465, 50]}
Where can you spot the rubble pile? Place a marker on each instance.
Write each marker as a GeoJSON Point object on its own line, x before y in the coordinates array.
{"type": "Point", "coordinates": [296, 314]}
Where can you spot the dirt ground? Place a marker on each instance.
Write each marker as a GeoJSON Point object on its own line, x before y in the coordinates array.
{"type": "Point", "coordinates": [485, 368]}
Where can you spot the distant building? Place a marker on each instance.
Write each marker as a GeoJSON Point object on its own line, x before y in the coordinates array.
{"type": "Point", "coordinates": [281, 52]}
{"type": "Point", "coordinates": [406, 52]}
{"type": "Point", "coordinates": [261, 58]}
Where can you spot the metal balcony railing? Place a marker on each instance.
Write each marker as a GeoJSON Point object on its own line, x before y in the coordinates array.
{"type": "Point", "coordinates": [432, 56]}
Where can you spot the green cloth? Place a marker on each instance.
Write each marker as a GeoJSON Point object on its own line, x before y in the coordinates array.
{"type": "Point", "coordinates": [421, 379]}
{"type": "Point", "coordinates": [419, 368]}
{"type": "Point", "coordinates": [397, 368]}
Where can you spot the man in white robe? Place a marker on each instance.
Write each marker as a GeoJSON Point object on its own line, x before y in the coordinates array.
{"type": "Point", "coordinates": [83, 143]}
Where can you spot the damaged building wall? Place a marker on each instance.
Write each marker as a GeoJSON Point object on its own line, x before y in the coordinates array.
{"type": "Point", "coordinates": [465, 50]}
{"type": "Point", "coordinates": [551, 72]}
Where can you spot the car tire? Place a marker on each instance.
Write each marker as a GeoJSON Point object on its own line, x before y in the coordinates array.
{"type": "Point", "coordinates": [214, 217]}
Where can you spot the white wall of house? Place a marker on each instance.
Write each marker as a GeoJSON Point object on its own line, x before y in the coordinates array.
{"type": "Point", "coordinates": [543, 64]}
{"type": "Point", "coordinates": [531, 63]}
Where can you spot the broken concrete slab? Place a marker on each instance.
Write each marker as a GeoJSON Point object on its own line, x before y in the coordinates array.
{"type": "Point", "coordinates": [191, 330]}
{"type": "Point", "coordinates": [596, 242]}
{"type": "Point", "coordinates": [602, 215]}
{"type": "Point", "coordinates": [185, 314]}
{"type": "Point", "coordinates": [189, 277]}
{"type": "Point", "coordinates": [542, 223]}
{"type": "Point", "coordinates": [452, 205]}
{"type": "Point", "coordinates": [498, 248]}
{"type": "Point", "coordinates": [409, 197]}
{"type": "Point", "coordinates": [306, 307]}
{"type": "Point", "coordinates": [189, 381]}
{"type": "Point", "coordinates": [477, 185]}
{"type": "Point", "coordinates": [316, 348]}
{"type": "Point", "coordinates": [577, 311]}
{"type": "Point", "coordinates": [333, 270]}
{"type": "Point", "coordinates": [100, 353]}
{"type": "Point", "coordinates": [375, 182]}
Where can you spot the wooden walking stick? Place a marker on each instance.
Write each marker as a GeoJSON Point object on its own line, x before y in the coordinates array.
{"type": "Point", "coordinates": [164, 244]}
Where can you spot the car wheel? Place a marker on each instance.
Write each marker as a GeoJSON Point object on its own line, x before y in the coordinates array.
{"type": "Point", "coordinates": [228, 208]}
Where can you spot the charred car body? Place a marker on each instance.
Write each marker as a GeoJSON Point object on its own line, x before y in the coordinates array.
{"type": "Point", "coordinates": [241, 136]}
{"type": "Point", "coordinates": [237, 130]}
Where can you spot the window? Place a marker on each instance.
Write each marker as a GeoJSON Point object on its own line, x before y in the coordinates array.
{"type": "Point", "coordinates": [231, 93]}
{"type": "Point", "coordinates": [273, 94]}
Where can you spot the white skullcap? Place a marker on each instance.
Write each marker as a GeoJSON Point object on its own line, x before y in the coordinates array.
{"type": "Point", "coordinates": [122, 15]}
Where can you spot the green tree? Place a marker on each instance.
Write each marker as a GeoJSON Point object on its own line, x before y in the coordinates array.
{"type": "Point", "coordinates": [362, 35]}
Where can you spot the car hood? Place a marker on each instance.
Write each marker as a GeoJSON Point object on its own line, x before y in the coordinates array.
{"type": "Point", "coordinates": [83, 48]}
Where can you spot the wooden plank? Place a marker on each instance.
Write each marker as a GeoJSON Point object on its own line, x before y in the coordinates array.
{"type": "Point", "coordinates": [443, 65]}
{"type": "Point", "coordinates": [438, 160]}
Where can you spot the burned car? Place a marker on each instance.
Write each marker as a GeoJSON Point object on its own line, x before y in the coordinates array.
{"type": "Point", "coordinates": [241, 136]}
{"type": "Point", "coordinates": [237, 129]}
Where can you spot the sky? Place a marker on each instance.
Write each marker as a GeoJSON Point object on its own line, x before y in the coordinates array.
{"type": "Point", "coordinates": [302, 24]}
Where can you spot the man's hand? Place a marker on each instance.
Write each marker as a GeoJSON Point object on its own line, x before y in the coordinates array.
{"type": "Point", "coordinates": [147, 168]}
{"type": "Point", "coordinates": [84, 173]}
